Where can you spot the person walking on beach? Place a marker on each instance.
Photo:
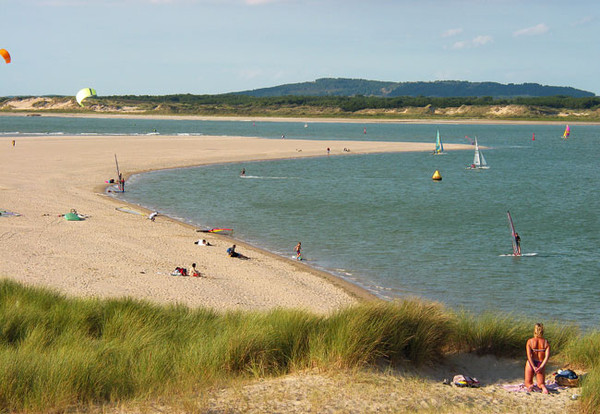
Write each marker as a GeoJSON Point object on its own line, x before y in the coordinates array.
{"type": "Point", "coordinates": [538, 353]}
{"type": "Point", "coordinates": [298, 249]}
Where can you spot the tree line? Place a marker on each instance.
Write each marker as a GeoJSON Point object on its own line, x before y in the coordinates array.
{"type": "Point", "coordinates": [354, 103]}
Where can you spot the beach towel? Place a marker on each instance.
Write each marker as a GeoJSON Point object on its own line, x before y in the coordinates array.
{"type": "Point", "coordinates": [5, 213]}
{"type": "Point", "coordinates": [551, 386]}
{"type": "Point", "coordinates": [73, 217]}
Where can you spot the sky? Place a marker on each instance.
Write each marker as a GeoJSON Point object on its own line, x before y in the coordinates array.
{"type": "Point", "coordinates": [159, 47]}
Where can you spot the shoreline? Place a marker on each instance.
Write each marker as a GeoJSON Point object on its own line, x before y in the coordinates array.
{"type": "Point", "coordinates": [450, 121]}
{"type": "Point", "coordinates": [115, 254]}
{"type": "Point", "coordinates": [354, 290]}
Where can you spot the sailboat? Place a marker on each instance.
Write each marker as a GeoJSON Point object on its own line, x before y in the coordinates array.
{"type": "Point", "coordinates": [439, 147]}
{"type": "Point", "coordinates": [479, 162]}
{"type": "Point", "coordinates": [567, 132]}
{"type": "Point", "coordinates": [516, 241]}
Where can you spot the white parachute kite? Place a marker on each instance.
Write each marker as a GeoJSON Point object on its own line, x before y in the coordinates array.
{"type": "Point", "coordinates": [84, 94]}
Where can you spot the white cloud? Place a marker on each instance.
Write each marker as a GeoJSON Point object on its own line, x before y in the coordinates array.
{"type": "Point", "coordinates": [459, 45]}
{"type": "Point", "coordinates": [477, 41]}
{"type": "Point", "coordinates": [452, 32]}
{"type": "Point", "coordinates": [532, 31]}
{"type": "Point", "coordinates": [481, 40]}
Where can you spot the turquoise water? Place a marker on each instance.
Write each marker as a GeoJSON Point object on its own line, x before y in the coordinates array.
{"type": "Point", "coordinates": [381, 222]}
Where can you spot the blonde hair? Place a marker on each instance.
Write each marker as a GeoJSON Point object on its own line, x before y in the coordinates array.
{"type": "Point", "coordinates": [538, 330]}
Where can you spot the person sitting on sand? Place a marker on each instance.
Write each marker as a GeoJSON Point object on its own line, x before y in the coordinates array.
{"type": "Point", "coordinates": [232, 253]}
{"type": "Point", "coordinates": [153, 215]}
{"type": "Point", "coordinates": [202, 242]}
{"type": "Point", "coordinates": [195, 272]}
{"type": "Point", "coordinates": [538, 353]}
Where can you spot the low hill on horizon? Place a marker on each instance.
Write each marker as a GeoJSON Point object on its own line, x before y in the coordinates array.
{"type": "Point", "coordinates": [442, 89]}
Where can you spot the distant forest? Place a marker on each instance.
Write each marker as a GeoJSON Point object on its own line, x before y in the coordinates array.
{"type": "Point", "coordinates": [439, 89]}
{"type": "Point", "coordinates": [245, 103]}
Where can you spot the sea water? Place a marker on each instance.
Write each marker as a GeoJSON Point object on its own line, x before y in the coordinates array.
{"type": "Point", "coordinates": [381, 222]}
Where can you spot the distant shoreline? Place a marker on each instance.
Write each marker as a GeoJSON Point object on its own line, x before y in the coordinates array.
{"type": "Point", "coordinates": [451, 121]}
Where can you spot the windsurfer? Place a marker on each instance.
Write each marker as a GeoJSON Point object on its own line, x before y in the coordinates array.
{"type": "Point", "coordinates": [518, 242]}
{"type": "Point", "coordinates": [243, 173]}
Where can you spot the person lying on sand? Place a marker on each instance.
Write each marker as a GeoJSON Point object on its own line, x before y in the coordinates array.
{"type": "Point", "coordinates": [202, 242]}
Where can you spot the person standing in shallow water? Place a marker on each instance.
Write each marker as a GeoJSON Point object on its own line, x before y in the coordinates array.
{"type": "Point", "coordinates": [538, 353]}
{"type": "Point", "coordinates": [298, 250]}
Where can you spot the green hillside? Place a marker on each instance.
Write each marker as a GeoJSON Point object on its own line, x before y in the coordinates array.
{"type": "Point", "coordinates": [355, 87]}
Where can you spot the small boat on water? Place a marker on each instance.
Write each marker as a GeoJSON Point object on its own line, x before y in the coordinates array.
{"type": "Point", "coordinates": [439, 146]}
{"type": "Point", "coordinates": [479, 162]}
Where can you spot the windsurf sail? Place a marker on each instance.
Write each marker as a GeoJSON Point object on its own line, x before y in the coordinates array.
{"type": "Point", "coordinates": [216, 230]}
{"type": "Point", "coordinates": [117, 164]}
{"type": "Point", "coordinates": [439, 147]}
{"type": "Point", "coordinates": [567, 132]}
{"type": "Point", "coordinates": [515, 245]}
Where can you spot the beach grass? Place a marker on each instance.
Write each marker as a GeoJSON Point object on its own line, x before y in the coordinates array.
{"type": "Point", "coordinates": [58, 352]}
{"type": "Point", "coordinates": [495, 333]}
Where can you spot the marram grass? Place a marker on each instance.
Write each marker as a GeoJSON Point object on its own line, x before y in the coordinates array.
{"type": "Point", "coordinates": [58, 352]}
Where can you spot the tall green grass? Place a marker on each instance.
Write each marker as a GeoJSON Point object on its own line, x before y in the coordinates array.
{"type": "Point", "coordinates": [57, 352]}
{"type": "Point", "coordinates": [498, 334]}
{"type": "Point", "coordinates": [585, 353]}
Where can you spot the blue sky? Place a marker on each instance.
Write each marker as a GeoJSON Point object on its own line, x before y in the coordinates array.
{"type": "Point", "coordinates": [160, 47]}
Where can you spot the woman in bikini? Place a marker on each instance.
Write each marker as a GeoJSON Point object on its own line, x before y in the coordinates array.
{"type": "Point", "coordinates": [538, 353]}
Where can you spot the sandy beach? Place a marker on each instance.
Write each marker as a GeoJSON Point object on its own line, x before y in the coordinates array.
{"type": "Point", "coordinates": [116, 254]}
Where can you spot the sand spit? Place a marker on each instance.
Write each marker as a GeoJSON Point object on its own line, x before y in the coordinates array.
{"type": "Point", "coordinates": [115, 254]}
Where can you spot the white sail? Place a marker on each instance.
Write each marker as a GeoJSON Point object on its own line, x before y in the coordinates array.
{"type": "Point", "coordinates": [478, 159]}
{"type": "Point", "coordinates": [483, 162]}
